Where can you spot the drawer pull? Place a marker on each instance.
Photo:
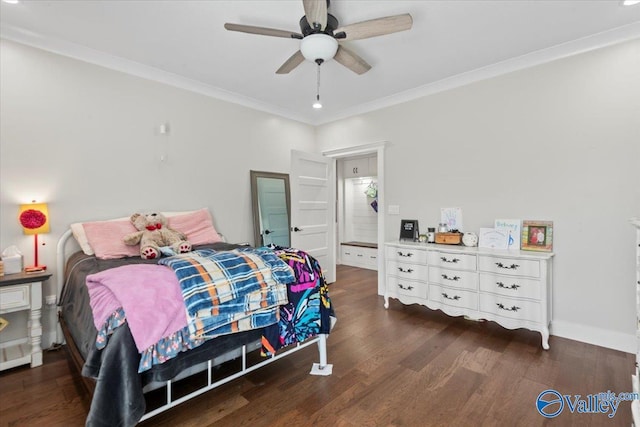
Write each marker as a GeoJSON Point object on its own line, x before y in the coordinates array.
{"type": "Point", "coordinates": [503, 286]}
{"type": "Point", "coordinates": [455, 297]}
{"type": "Point", "coordinates": [402, 270]}
{"type": "Point", "coordinates": [407, 255]}
{"type": "Point", "coordinates": [406, 288]}
{"type": "Point", "coordinates": [502, 307]}
{"type": "Point", "coordinates": [507, 267]}
{"type": "Point", "coordinates": [454, 278]}
{"type": "Point", "coordinates": [452, 260]}
{"type": "Point", "coordinates": [359, 255]}
{"type": "Point", "coordinates": [373, 256]}
{"type": "Point", "coordinates": [347, 253]}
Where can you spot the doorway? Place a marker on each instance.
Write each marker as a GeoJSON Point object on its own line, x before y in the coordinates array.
{"type": "Point", "coordinates": [357, 211]}
{"type": "Point", "coordinates": [352, 157]}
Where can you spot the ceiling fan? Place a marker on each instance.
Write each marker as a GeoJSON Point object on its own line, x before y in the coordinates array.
{"type": "Point", "coordinates": [320, 33]}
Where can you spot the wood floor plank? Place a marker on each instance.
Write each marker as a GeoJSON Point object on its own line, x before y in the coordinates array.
{"type": "Point", "coordinates": [401, 366]}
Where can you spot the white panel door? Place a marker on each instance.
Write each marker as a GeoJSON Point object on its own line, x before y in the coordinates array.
{"type": "Point", "coordinates": [312, 208]}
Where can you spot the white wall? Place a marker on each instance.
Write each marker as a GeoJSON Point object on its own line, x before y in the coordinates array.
{"type": "Point", "coordinates": [86, 140]}
{"type": "Point", "coordinates": [360, 219]}
{"type": "Point", "coordinates": [559, 142]}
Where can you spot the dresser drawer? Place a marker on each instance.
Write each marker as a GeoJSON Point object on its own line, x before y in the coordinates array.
{"type": "Point", "coordinates": [452, 260]}
{"type": "Point", "coordinates": [453, 297]}
{"type": "Point", "coordinates": [14, 298]}
{"type": "Point", "coordinates": [407, 271]}
{"type": "Point", "coordinates": [412, 288]}
{"type": "Point", "coordinates": [509, 266]}
{"type": "Point", "coordinates": [359, 256]}
{"type": "Point", "coordinates": [406, 255]}
{"type": "Point", "coordinates": [510, 307]}
{"type": "Point", "coordinates": [459, 279]}
{"type": "Point", "coordinates": [518, 287]}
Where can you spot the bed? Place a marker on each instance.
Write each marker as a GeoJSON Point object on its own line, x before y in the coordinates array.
{"type": "Point", "coordinates": [115, 370]}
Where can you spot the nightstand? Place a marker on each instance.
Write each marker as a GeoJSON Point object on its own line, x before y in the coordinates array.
{"type": "Point", "coordinates": [22, 292]}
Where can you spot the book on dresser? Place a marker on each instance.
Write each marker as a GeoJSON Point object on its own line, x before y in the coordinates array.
{"type": "Point", "coordinates": [512, 288]}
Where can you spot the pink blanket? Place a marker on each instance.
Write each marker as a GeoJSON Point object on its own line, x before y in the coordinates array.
{"type": "Point", "coordinates": [150, 296]}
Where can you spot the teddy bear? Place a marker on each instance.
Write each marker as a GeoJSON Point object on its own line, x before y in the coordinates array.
{"type": "Point", "coordinates": [155, 236]}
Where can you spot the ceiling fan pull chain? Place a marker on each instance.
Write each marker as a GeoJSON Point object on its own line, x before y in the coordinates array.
{"type": "Point", "coordinates": [318, 104]}
{"type": "Point", "coordinates": [318, 86]}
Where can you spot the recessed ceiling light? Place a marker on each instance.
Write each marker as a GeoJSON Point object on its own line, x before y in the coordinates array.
{"type": "Point", "coordinates": [11, 1]}
{"type": "Point", "coordinates": [630, 2]}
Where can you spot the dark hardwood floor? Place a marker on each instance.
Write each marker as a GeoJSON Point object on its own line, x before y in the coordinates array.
{"type": "Point", "coordinates": [405, 366]}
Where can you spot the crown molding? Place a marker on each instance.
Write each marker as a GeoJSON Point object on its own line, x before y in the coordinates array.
{"type": "Point", "coordinates": [92, 56]}
{"type": "Point", "coordinates": [83, 53]}
{"type": "Point", "coordinates": [606, 38]}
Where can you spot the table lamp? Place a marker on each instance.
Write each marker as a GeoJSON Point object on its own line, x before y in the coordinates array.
{"type": "Point", "coordinates": [34, 218]}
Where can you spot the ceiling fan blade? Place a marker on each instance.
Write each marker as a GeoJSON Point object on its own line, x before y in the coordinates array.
{"type": "Point", "coordinates": [262, 31]}
{"type": "Point", "coordinates": [316, 12]}
{"type": "Point", "coordinates": [291, 63]}
{"type": "Point", "coordinates": [376, 27]}
{"type": "Point", "coordinates": [352, 61]}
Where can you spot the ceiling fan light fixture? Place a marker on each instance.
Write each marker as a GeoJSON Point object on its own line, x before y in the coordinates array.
{"type": "Point", "coordinates": [318, 46]}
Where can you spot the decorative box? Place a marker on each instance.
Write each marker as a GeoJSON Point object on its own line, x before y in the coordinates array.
{"type": "Point", "coordinates": [12, 264]}
{"type": "Point", "coordinates": [449, 238]}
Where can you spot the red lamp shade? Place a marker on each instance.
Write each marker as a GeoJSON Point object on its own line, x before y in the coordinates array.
{"type": "Point", "coordinates": [34, 218]}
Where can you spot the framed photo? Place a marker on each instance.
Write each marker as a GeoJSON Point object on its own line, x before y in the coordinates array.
{"type": "Point", "coordinates": [409, 230]}
{"type": "Point", "coordinates": [537, 236]}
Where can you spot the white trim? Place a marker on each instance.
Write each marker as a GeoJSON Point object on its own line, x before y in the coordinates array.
{"type": "Point", "coordinates": [83, 53]}
{"type": "Point", "coordinates": [92, 56]}
{"type": "Point", "coordinates": [592, 335]}
{"type": "Point", "coordinates": [606, 38]}
{"type": "Point", "coordinates": [356, 150]}
{"type": "Point", "coordinates": [378, 148]}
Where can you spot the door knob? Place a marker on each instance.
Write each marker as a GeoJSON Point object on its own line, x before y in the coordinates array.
{"type": "Point", "coordinates": [267, 231]}
{"type": "Point", "coordinates": [296, 229]}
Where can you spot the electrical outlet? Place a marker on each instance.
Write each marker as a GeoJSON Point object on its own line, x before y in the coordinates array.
{"type": "Point", "coordinates": [50, 300]}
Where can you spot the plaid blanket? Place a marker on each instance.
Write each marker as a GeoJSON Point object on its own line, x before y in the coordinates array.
{"type": "Point", "coordinates": [230, 291]}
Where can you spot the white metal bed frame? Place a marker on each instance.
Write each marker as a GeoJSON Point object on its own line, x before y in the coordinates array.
{"type": "Point", "coordinates": [321, 368]}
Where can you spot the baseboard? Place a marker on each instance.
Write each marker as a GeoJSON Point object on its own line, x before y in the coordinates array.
{"type": "Point", "coordinates": [596, 336]}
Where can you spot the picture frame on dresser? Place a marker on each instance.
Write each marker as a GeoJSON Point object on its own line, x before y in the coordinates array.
{"type": "Point", "coordinates": [537, 236]}
{"type": "Point", "coordinates": [409, 230]}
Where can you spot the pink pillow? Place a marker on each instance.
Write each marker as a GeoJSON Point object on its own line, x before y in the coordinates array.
{"type": "Point", "coordinates": [197, 225]}
{"type": "Point", "coordinates": [107, 238]}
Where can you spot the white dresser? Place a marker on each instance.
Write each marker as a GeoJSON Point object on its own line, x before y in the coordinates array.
{"type": "Point", "coordinates": [512, 288]}
{"type": "Point", "coordinates": [635, 405]}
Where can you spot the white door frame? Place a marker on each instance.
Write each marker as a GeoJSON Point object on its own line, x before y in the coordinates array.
{"type": "Point", "coordinates": [377, 148]}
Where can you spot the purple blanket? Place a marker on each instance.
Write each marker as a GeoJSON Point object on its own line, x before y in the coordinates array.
{"type": "Point", "coordinates": [144, 291]}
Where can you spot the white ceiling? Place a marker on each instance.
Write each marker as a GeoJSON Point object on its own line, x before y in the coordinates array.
{"type": "Point", "coordinates": [185, 44]}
